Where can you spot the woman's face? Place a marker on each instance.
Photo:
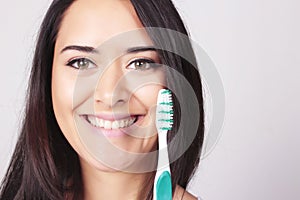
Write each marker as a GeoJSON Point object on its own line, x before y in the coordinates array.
{"type": "Point", "coordinates": [105, 85]}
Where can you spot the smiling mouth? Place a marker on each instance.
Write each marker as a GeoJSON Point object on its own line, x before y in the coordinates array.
{"type": "Point", "coordinates": [111, 124]}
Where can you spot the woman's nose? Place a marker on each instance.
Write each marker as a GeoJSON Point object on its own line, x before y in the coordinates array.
{"type": "Point", "coordinates": [111, 89]}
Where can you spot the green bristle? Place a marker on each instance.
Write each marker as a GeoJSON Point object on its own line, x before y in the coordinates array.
{"type": "Point", "coordinates": [166, 92]}
{"type": "Point", "coordinates": [166, 103]}
{"type": "Point", "coordinates": [166, 128]}
{"type": "Point", "coordinates": [166, 112]}
{"type": "Point", "coordinates": [166, 120]}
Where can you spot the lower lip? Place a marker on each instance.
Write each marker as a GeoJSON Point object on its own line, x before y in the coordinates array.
{"type": "Point", "coordinates": [113, 133]}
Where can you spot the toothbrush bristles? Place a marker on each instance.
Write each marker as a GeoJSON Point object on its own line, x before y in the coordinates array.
{"type": "Point", "coordinates": [164, 113]}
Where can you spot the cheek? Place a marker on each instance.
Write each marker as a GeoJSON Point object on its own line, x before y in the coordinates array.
{"type": "Point", "coordinates": [148, 86]}
{"type": "Point", "coordinates": [62, 92]}
{"type": "Point", "coordinates": [148, 95]}
{"type": "Point", "coordinates": [62, 95]}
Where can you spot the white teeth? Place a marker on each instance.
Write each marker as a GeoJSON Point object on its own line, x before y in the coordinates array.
{"type": "Point", "coordinates": [121, 124]}
{"type": "Point", "coordinates": [107, 124]}
{"type": "Point", "coordinates": [98, 121]}
{"type": "Point", "coordinates": [101, 122]}
{"type": "Point", "coordinates": [115, 125]}
{"type": "Point", "coordinates": [111, 124]}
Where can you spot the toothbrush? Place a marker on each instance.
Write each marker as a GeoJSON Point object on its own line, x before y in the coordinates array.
{"type": "Point", "coordinates": [164, 120]}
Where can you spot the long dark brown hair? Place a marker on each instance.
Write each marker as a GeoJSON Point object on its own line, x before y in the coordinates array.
{"type": "Point", "coordinates": [44, 165]}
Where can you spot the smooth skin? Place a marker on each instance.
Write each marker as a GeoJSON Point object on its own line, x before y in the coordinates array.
{"type": "Point", "coordinates": [90, 23]}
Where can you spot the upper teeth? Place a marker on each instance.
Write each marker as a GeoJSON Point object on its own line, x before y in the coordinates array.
{"type": "Point", "coordinates": [106, 124]}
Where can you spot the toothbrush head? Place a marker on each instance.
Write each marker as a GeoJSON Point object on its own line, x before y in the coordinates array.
{"type": "Point", "coordinates": [164, 110]}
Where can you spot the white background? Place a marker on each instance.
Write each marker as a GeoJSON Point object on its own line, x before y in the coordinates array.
{"type": "Point", "coordinates": [255, 46]}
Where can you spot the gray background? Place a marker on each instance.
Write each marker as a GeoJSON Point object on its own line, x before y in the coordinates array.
{"type": "Point", "coordinates": [255, 47]}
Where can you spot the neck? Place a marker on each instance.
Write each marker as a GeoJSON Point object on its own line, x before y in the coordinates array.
{"type": "Point", "coordinates": [114, 184]}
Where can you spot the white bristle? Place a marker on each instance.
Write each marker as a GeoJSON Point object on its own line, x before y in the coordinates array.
{"type": "Point", "coordinates": [164, 110]}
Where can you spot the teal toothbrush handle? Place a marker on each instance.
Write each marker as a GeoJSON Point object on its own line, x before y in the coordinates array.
{"type": "Point", "coordinates": [164, 187]}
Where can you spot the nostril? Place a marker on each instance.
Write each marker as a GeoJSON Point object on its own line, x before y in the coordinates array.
{"type": "Point", "coordinates": [110, 100]}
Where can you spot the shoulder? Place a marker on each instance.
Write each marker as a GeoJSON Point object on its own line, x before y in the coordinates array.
{"type": "Point", "coordinates": [182, 194]}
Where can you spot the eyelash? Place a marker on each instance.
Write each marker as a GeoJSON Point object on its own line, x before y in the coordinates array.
{"type": "Point", "coordinates": [146, 61]}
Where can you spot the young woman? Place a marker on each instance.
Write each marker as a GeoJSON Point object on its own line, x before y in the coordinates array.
{"type": "Point", "coordinates": [58, 156]}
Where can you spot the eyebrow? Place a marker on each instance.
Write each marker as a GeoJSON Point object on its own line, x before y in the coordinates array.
{"type": "Point", "coordinates": [87, 49]}
{"type": "Point", "coordinates": [140, 48]}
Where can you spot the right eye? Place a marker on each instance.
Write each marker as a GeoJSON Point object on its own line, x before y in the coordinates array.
{"type": "Point", "coordinates": [81, 63]}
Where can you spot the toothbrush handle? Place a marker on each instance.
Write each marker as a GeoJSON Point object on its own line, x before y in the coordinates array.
{"type": "Point", "coordinates": [164, 187]}
{"type": "Point", "coordinates": [163, 183]}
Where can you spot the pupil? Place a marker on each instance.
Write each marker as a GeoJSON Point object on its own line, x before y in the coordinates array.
{"type": "Point", "coordinates": [83, 63]}
{"type": "Point", "coordinates": [140, 64]}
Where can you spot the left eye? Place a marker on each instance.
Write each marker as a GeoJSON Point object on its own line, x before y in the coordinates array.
{"type": "Point", "coordinates": [81, 63]}
{"type": "Point", "coordinates": [141, 64]}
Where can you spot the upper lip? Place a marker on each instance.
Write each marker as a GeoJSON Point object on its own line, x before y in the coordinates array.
{"type": "Point", "coordinates": [112, 117]}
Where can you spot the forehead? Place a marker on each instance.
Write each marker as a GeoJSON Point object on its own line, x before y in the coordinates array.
{"type": "Point", "coordinates": [91, 22]}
